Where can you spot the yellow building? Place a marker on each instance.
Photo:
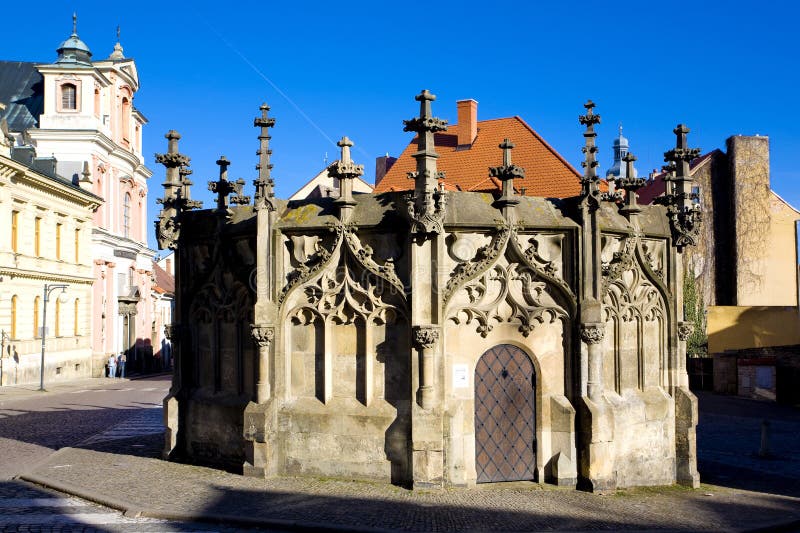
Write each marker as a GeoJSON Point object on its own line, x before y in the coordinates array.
{"type": "Point", "coordinates": [45, 239]}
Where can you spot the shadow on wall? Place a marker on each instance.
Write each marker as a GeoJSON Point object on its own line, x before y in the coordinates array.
{"type": "Point", "coordinates": [736, 328]}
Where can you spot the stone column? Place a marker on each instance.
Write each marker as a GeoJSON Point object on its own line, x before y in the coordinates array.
{"type": "Point", "coordinates": [592, 333]}
{"type": "Point", "coordinates": [425, 338]}
{"type": "Point", "coordinates": [263, 336]}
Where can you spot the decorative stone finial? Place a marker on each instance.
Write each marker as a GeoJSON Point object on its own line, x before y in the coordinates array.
{"type": "Point", "coordinates": [425, 207]}
{"type": "Point", "coordinates": [506, 173]}
{"type": "Point", "coordinates": [117, 53]}
{"type": "Point", "coordinates": [345, 170]}
{"type": "Point", "coordinates": [223, 187]}
{"type": "Point", "coordinates": [265, 186]}
{"type": "Point", "coordinates": [590, 188]}
{"type": "Point", "coordinates": [631, 185]}
{"type": "Point", "coordinates": [174, 203]}
{"type": "Point", "coordinates": [685, 215]}
{"type": "Point", "coordinates": [86, 174]}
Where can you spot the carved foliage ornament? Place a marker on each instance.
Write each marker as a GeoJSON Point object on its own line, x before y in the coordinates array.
{"type": "Point", "coordinates": [685, 330]}
{"type": "Point", "coordinates": [593, 332]}
{"type": "Point", "coordinates": [262, 335]}
{"type": "Point", "coordinates": [425, 337]}
{"type": "Point", "coordinates": [426, 212]}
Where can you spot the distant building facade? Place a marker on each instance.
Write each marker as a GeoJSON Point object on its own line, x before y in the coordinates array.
{"type": "Point", "coordinates": [744, 265]}
{"type": "Point", "coordinates": [323, 185]}
{"type": "Point", "coordinates": [80, 111]}
{"type": "Point", "coordinates": [45, 238]}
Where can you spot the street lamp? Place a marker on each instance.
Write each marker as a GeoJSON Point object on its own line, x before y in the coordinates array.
{"type": "Point", "coordinates": [3, 337]}
{"type": "Point", "coordinates": [48, 288]}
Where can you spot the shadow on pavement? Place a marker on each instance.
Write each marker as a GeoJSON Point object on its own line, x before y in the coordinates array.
{"type": "Point", "coordinates": [495, 511]}
{"type": "Point", "coordinates": [729, 442]}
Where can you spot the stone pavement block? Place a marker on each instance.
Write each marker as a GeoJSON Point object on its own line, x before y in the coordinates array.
{"type": "Point", "coordinates": [162, 489]}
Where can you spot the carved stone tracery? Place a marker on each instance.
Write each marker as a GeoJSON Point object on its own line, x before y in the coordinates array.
{"type": "Point", "coordinates": [355, 289]}
{"type": "Point", "coordinates": [505, 283]}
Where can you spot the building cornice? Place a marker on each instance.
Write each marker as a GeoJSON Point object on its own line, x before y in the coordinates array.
{"type": "Point", "coordinates": [14, 170]}
{"type": "Point", "coordinates": [117, 242]}
{"type": "Point", "coordinates": [93, 136]}
{"type": "Point", "coordinates": [71, 69]}
{"type": "Point", "coordinates": [45, 276]}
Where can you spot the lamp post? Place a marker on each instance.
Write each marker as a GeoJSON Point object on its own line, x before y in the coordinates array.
{"type": "Point", "coordinates": [48, 288]}
{"type": "Point", "coordinates": [3, 337]}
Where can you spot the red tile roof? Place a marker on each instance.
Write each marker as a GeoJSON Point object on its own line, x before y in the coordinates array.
{"type": "Point", "coordinates": [547, 174]}
{"type": "Point", "coordinates": [164, 282]}
{"type": "Point", "coordinates": [656, 186]}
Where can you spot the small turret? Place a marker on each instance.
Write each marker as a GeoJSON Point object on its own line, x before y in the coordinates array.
{"type": "Point", "coordinates": [73, 50]}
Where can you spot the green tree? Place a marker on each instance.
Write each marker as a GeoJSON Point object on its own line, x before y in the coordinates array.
{"type": "Point", "coordinates": [694, 313]}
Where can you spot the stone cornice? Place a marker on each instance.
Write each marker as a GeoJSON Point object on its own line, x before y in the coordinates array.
{"type": "Point", "coordinates": [45, 276]}
{"type": "Point", "coordinates": [11, 169]}
{"type": "Point", "coordinates": [97, 137]}
{"type": "Point", "coordinates": [112, 240]}
{"type": "Point", "coordinates": [61, 69]}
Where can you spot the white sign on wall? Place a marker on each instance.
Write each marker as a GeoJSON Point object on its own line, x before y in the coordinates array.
{"type": "Point", "coordinates": [460, 376]}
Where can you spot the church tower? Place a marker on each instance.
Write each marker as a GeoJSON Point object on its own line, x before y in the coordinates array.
{"type": "Point", "coordinates": [92, 128]}
{"type": "Point", "coordinates": [618, 169]}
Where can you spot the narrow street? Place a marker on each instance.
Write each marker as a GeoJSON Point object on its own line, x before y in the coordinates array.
{"type": "Point", "coordinates": [33, 427]}
{"type": "Point", "coordinates": [119, 414]}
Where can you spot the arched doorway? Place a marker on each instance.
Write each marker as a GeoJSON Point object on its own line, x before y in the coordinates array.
{"type": "Point", "coordinates": [505, 415]}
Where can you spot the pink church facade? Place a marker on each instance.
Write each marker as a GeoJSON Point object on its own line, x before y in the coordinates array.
{"type": "Point", "coordinates": [92, 128]}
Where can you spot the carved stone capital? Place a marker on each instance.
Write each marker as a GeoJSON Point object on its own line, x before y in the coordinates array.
{"type": "Point", "coordinates": [262, 335]}
{"type": "Point", "coordinates": [685, 330]}
{"type": "Point", "coordinates": [424, 337]}
{"type": "Point", "coordinates": [171, 332]}
{"type": "Point", "coordinates": [593, 332]}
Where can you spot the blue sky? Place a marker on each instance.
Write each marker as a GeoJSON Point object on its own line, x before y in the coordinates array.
{"type": "Point", "coordinates": [329, 69]}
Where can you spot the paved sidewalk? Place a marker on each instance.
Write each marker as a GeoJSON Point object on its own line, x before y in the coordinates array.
{"type": "Point", "coordinates": [119, 468]}
{"type": "Point", "coordinates": [141, 485]}
{"type": "Point", "coordinates": [10, 393]}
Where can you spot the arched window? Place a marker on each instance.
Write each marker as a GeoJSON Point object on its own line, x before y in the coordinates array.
{"type": "Point", "coordinates": [97, 103]}
{"type": "Point", "coordinates": [58, 241]}
{"type": "Point", "coordinates": [77, 245]}
{"type": "Point", "coordinates": [58, 317]}
{"type": "Point", "coordinates": [69, 96]}
{"type": "Point", "coordinates": [36, 302]}
{"type": "Point", "coordinates": [126, 119]}
{"type": "Point", "coordinates": [76, 326]}
{"type": "Point", "coordinates": [126, 215]}
{"type": "Point", "coordinates": [14, 317]}
{"type": "Point", "coordinates": [37, 237]}
{"type": "Point", "coordinates": [14, 230]}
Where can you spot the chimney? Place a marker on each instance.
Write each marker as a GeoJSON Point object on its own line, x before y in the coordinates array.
{"type": "Point", "coordinates": [467, 121]}
{"type": "Point", "coordinates": [382, 166]}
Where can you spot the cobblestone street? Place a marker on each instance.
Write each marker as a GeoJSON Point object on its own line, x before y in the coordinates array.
{"type": "Point", "coordinates": [117, 466]}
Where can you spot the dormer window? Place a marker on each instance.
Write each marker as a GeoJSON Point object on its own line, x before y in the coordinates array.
{"type": "Point", "coordinates": [69, 97]}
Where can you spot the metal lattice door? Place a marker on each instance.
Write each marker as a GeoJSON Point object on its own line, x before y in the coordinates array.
{"type": "Point", "coordinates": [505, 427]}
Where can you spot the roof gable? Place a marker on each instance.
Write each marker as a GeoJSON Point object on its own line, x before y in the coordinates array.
{"type": "Point", "coordinates": [547, 174]}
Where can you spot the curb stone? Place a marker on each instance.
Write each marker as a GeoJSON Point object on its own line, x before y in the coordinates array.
{"type": "Point", "coordinates": [178, 516]}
